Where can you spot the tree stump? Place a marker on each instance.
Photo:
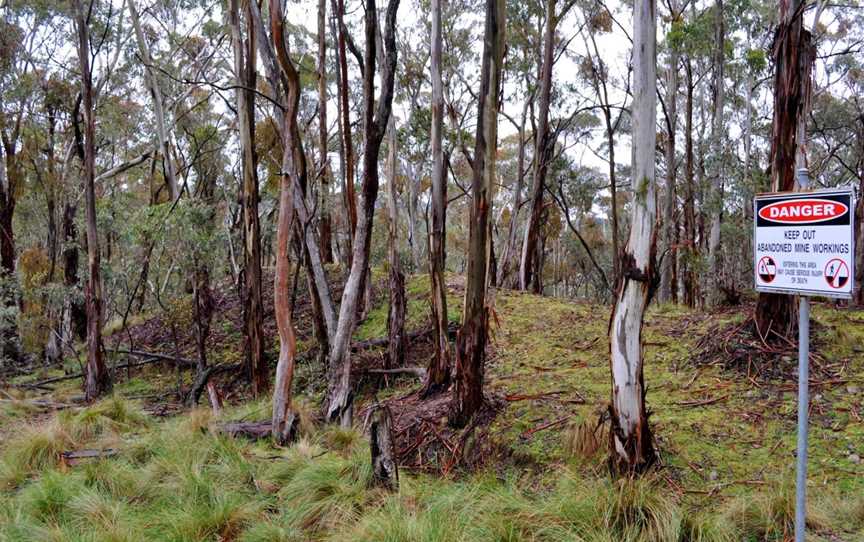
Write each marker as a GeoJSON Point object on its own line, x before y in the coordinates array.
{"type": "Point", "coordinates": [385, 473]}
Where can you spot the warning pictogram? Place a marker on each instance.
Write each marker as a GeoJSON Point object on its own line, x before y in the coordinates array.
{"type": "Point", "coordinates": [767, 269]}
{"type": "Point", "coordinates": [837, 273]}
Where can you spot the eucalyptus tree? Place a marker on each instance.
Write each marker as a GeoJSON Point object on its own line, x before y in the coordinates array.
{"type": "Point", "coordinates": [438, 373]}
{"type": "Point", "coordinates": [531, 270]}
{"type": "Point", "coordinates": [794, 55]}
{"type": "Point", "coordinates": [97, 380]}
{"type": "Point", "coordinates": [473, 335]}
{"type": "Point", "coordinates": [245, 82]}
{"type": "Point", "coordinates": [162, 130]}
{"type": "Point", "coordinates": [717, 161]}
{"type": "Point", "coordinates": [631, 443]}
{"type": "Point", "coordinates": [339, 399]}
{"type": "Point", "coordinates": [284, 419]}
{"type": "Point", "coordinates": [668, 270]}
{"type": "Point", "coordinates": [596, 70]}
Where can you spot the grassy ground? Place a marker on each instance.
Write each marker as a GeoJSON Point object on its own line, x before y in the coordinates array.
{"type": "Point", "coordinates": [727, 447]}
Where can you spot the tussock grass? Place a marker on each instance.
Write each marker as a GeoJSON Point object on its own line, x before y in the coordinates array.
{"type": "Point", "coordinates": [113, 415]}
{"type": "Point", "coordinates": [770, 514]}
{"type": "Point", "coordinates": [34, 449]}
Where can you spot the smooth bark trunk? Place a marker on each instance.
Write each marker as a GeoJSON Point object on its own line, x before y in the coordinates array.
{"type": "Point", "coordinates": [718, 132]}
{"type": "Point", "coordinates": [325, 227]}
{"type": "Point", "coordinates": [284, 419]}
{"type": "Point", "coordinates": [668, 288]}
{"type": "Point", "coordinates": [345, 122]}
{"type": "Point", "coordinates": [438, 374]}
{"type": "Point", "coordinates": [162, 132]}
{"type": "Point", "coordinates": [398, 304]}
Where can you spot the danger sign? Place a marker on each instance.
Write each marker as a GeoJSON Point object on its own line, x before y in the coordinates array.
{"type": "Point", "coordinates": [804, 242]}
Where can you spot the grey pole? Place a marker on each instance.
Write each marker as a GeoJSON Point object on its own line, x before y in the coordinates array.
{"type": "Point", "coordinates": [803, 407]}
{"type": "Point", "coordinates": [803, 400]}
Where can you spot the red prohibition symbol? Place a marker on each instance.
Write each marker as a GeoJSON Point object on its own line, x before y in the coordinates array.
{"type": "Point", "coordinates": [836, 273]}
{"type": "Point", "coordinates": [767, 269]}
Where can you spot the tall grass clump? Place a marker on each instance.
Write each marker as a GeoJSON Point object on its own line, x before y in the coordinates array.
{"type": "Point", "coordinates": [635, 510]}
{"type": "Point", "coordinates": [327, 492]}
{"type": "Point", "coordinates": [112, 415]}
{"type": "Point", "coordinates": [770, 514]}
{"type": "Point", "coordinates": [36, 449]}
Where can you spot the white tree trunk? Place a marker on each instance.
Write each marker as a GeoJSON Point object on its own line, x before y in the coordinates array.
{"type": "Point", "coordinates": [631, 444]}
{"type": "Point", "coordinates": [158, 109]}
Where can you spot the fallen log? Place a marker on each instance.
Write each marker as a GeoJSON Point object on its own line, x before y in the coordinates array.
{"type": "Point", "coordinates": [157, 356]}
{"type": "Point", "coordinates": [250, 430]}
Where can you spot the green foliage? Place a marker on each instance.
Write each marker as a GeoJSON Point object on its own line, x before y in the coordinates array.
{"type": "Point", "coordinates": [756, 60]}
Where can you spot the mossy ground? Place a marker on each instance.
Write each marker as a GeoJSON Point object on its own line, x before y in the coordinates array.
{"type": "Point", "coordinates": [725, 474]}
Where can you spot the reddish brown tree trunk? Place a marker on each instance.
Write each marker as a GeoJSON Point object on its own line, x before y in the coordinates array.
{"type": "Point", "coordinates": [284, 419]}
{"type": "Point", "coordinates": [325, 224]}
{"type": "Point", "coordinates": [345, 119]}
{"type": "Point", "coordinates": [776, 314]}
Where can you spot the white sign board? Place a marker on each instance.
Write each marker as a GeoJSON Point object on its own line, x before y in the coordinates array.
{"type": "Point", "coordinates": [804, 243]}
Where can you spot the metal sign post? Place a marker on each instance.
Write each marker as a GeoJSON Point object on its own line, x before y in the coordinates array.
{"type": "Point", "coordinates": [803, 411]}
{"type": "Point", "coordinates": [804, 244]}
{"type": "Point", "coordinates": [803, 400]}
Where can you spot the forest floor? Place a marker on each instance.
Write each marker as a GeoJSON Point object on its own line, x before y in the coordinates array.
{"type": "Point", "coordinates": [723, 412]}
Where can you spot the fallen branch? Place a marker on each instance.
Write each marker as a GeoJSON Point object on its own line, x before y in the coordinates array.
{"type": "Point", "coordinates": [41, 384]}
{"type": "Point", "coordinates": [250, 430]}
{"type": "Point", "coordinates": [158, 356]}
{"type": "Point", "coordinates": [72, 457]}
{"type": "Point", "coordinates": [703, 402]}
{"type": "Point", "coordinates": [547, 425]}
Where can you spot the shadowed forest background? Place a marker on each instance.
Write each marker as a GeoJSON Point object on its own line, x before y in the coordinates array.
{"type": "Point", "coordinates": [415, 270]}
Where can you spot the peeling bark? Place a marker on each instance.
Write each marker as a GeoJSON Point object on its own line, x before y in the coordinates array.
{"type": "Point", "coordinates": [339, 402]}
{"type": "Point", "coordinates": [473, 335]}
{"type": "Point", "coordinates": [284, 419]}
{"type": "Point", "coordinates": [96, 381]}
{"type": "Point", "coordinates": [253, 306]}
{"type": "Point", "coordinates": [794, 55]}
{"type": "Point", "coordinates": [631, 445]}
